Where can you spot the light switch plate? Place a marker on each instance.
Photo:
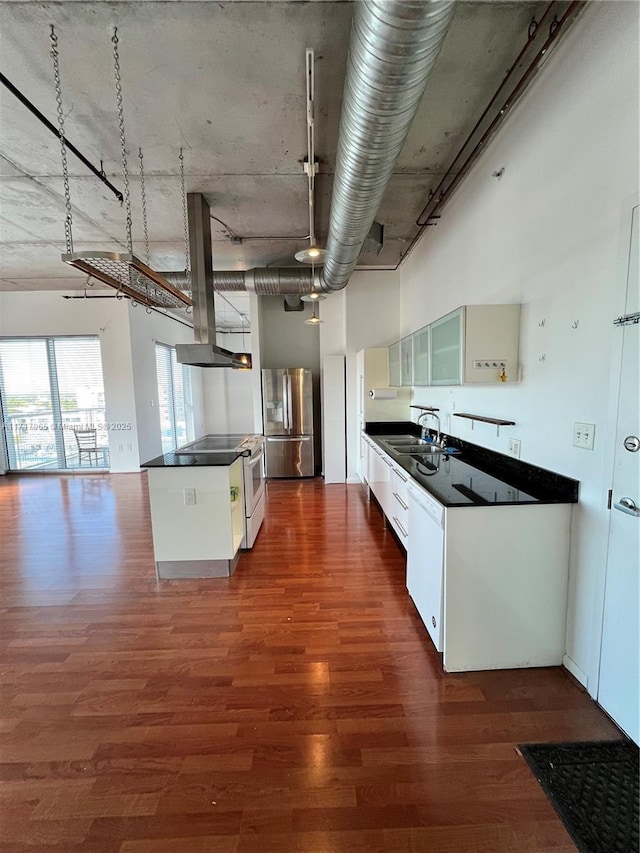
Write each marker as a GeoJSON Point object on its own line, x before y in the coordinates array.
{"type": "Point", "coordinates": [583, 435]}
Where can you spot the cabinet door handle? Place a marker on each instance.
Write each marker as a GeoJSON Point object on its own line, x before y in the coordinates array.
{"type": "Point", "coordinates": [404, 479]}
{"type": "Point", "coordinates": [402, 530]}
{"type": "Point", "coordinates": [400, 501]}
{"type": "Point", "coordinates": [386, 461]}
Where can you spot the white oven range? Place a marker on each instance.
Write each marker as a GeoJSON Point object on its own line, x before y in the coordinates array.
{"type": "Point", "coordinates": [254, 488]}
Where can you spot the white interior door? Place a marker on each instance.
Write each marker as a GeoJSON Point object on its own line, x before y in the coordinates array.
{"type": "Point", "coordinates": [619, 681]}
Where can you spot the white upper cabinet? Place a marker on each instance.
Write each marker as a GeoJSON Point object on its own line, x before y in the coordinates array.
{"type": "Point", "coordinates": [490, 343]}
{"type": "Point", "coordinates": [395, 371]}
{"type": "Point", "coordinates": [406, 359]}
{"type": "Point", "coordinates": [474, 344]}
{"type": "Point", "coordinates": [421, 356]}
{"type": "Point", "coordinates": [446, 349]}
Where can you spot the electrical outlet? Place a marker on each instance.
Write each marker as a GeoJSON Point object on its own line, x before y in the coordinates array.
{"type": "Point", "coordinates": [121, 448]}
{"type": "Point", "coordinates": [583, 435]}
{"type": "Point", "coordinates": [130, 448]}
{"type": "Point", "coordinates": [514, 448]}
{"type": "Point", "coordinates": [189, 497]}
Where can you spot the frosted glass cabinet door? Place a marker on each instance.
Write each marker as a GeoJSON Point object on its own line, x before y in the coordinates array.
{"type": "Point", "coordinates": [395, 376]}
{"type": "Point", "coordinates": [421, 356]}
{"type": "Point", "coordinates": [446, 349]}
{"type": "Point", "coordinates": [406, 356]}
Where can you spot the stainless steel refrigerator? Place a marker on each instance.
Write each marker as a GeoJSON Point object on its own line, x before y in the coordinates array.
{"type": "Point", "coordinates": [287, 408]}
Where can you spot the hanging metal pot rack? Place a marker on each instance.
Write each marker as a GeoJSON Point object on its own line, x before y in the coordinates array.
{"type": "Point", "coordinates": [123, 271]}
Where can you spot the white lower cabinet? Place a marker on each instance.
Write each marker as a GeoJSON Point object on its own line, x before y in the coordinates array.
{"type": "Point", "coordinates": [400, 504]}
{"type": "Point", "coordinates": [389, 484]}
{"type": "Point", "coordinates": [489, 582]}
{"type": "Point", "coordinates": [379, 476]}
{"type": "Point", "coordinates": [200, 538]}
{"type": "Point", "coordinates": [425, 560]}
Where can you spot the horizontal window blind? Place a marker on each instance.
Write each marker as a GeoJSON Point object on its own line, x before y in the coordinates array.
{"type": "Point", "coordinates": [49, 387]}
{"type": "Point", "coordinates": [174, 399]}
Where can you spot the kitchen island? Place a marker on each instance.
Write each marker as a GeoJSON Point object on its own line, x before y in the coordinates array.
{"type": "Point", "coordinates": [197, 513]}
{"type": "Point", "coordinates": [487, 540]}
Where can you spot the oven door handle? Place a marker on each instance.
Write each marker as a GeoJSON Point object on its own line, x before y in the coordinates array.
{"type": "Point", "coordinates": [253, 460]}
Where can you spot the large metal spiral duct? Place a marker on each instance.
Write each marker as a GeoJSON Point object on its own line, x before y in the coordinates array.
{"type": "Point", "coordinates": [267, 281]}
{"type": "Point", "coordinates": [394, 45]}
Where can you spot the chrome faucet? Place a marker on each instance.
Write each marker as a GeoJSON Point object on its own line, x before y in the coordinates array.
{"type": "Point", "coordinates": [438, 440]}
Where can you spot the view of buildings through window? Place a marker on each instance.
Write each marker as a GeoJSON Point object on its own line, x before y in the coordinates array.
{"type": "Point", "coordinates": [50, 387]}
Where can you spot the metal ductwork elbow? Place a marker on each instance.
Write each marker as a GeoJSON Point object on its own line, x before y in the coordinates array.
{"type": "Point", "coordinates": [394, 45]}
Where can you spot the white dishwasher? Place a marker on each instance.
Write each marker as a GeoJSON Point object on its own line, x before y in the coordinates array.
{"type": "Point", "coordinates": [425, 559]}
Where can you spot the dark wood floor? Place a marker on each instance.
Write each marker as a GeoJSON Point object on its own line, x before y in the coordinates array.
{"type": "Point", "coordinates": [297, 707]}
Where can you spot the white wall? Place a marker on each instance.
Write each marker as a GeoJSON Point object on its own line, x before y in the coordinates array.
{"type": "Point", "coordinates": [372, 319]}
{"type": "Point", "coordinates": [547, 235]}
{"type": "Point", "coordinates": [127, 342]}
{"type": "Point", "coordinates": [229, 394]}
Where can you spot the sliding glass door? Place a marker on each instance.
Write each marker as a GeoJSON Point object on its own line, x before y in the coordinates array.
{"type": "Point", "coordinates": [50, 388]}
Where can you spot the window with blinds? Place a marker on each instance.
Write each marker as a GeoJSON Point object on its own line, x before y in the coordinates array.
{"type": "Point", "coordinates": [175, 405]}
{"type": "Point", "coordinates": [49, 388]}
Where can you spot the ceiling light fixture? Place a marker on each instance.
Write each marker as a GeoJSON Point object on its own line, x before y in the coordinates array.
{"type": "Point", "coordinates": [313, 254]}
{"type": "Point", "coordinates": [313, 297]}
{"type": "Point", "coordinates": [314, 319]}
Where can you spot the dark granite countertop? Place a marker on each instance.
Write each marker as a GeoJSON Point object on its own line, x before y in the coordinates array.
{"type": "Point", "coordinates": [474, 475]}
{"type": "Point", "coordinates": [184, 460]}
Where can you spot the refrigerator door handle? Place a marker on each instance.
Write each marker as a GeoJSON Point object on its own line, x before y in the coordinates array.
{"type": "Point", "coordinates": [285, 403]}
{"type": "Point", "coordinates": [289, 411]}
{"type": "Point", "coordinates": [289, 438]}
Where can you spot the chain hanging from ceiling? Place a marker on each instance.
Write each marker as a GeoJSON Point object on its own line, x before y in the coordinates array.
{"type": "Point", "coordinates": [143, 200]}
{"type": "Point", "coordinates": [63, 147]}
{"type": "Point", "coordinates": [126, 273]}
{"type": "Point", "coordinates": [187, 262]}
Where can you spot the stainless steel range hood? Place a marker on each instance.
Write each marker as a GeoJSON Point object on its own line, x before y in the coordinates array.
{"type": "Point", "coordinates": [210, 355]}
{"type": "Point", "coordinates": [204, 352]}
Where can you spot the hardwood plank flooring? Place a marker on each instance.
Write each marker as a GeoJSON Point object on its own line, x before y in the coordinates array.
{"type": "Point", "coordinates": [297, 707]}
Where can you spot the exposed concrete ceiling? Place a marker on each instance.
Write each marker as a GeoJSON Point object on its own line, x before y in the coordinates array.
{"type": "Point", "coordinates": [226, 81]}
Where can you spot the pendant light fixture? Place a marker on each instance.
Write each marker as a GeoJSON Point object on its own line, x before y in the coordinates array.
{"type": "Point", "coordinates": [313, 254]}
{"type": "Point", "coordinates": [314, 319]}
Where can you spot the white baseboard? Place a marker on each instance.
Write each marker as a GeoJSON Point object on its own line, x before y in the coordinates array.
{"type": "Point", "coordinates": [354, 480]}
{"type": "Point", "coordinates": [575, 671]}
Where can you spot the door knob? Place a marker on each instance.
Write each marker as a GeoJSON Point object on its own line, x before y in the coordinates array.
{"type": "Point", "coordinates": [627, 505]}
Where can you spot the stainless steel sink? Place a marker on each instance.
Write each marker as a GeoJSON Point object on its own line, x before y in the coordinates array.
{"type": "Point", "coordinates": [417, 451]}
{"type": "Point", "coordinates": [408, 442]}
{"type": "Point", "coordinates": [418, 446]}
